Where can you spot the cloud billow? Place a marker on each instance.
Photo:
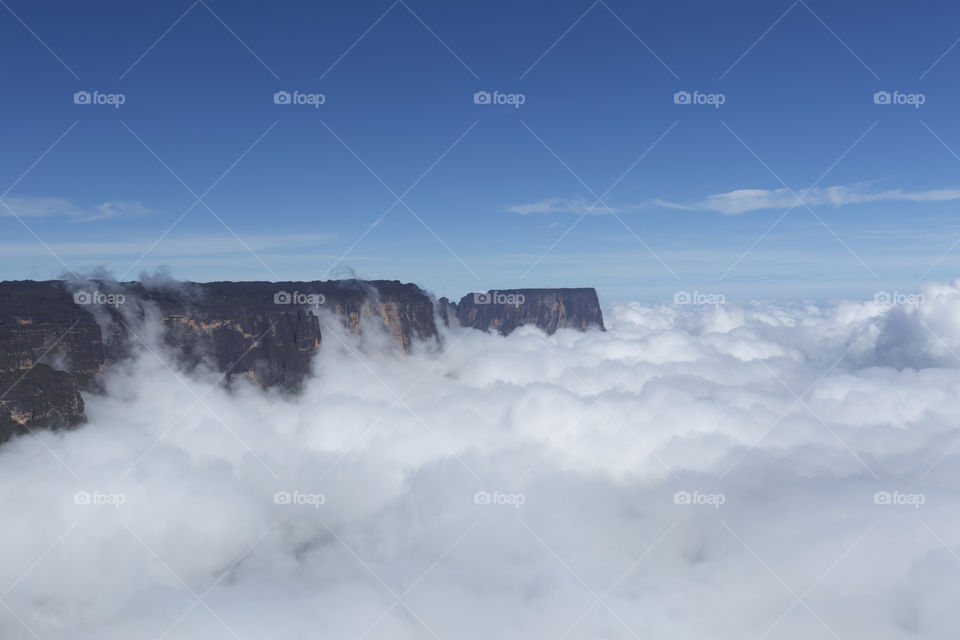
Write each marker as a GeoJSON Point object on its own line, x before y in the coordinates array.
{"type": "Point", "coordinates": [692, 472]}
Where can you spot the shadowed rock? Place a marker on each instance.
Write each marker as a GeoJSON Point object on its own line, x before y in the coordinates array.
{"type": "Point", "coordinates": [549, 309]}
{"type": "Point", "coordinates": [57, 340]}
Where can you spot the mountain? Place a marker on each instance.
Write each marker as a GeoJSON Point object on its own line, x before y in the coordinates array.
{"type": "Point", "coordinates": [56, 340]}
{"type": "Point", "coordinates": [508, 309]}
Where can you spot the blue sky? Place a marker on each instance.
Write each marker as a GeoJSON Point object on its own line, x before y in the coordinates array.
{"type": "Point", "coordinates": [694, 196]}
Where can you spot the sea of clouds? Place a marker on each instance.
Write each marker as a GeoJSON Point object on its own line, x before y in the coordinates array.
{"type": "Point", "coordinates": [697, 471]}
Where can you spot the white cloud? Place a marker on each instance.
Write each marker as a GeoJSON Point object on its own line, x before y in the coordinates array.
{"type": "Point", "coordinates": [576, 205]}
{"type": "Point", "coordinates": [741, 201]}
{"type": "Point", "coordinates": [597, 432]}
{"type": "Point", "coordinates": [51, 207]}
{"type": "Point", "coordinates": [744, 200]}
{"type": "Point", "coordinates": [185, 245]}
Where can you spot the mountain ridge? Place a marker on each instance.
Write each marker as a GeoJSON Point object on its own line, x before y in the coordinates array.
{"type": "Point", "coordinates": [57, 338]}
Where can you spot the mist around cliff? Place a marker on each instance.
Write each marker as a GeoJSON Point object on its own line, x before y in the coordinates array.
{"type": "Point", "coordinates": [722, 471]}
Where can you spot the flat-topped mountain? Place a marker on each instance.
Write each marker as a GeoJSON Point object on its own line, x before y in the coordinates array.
{"type": "Point", "coordinates": [548, 309]}
{"type": "Point", "coordinates": [57, 339]}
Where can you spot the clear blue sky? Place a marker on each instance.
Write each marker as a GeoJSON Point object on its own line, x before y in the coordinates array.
{"type": "Point", "coordinates": [503, 185]}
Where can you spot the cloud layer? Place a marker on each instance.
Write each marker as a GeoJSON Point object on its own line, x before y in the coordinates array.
{"type": "Point", "coordinates": [741, 201]}
{"type": "Point", "coordinates": [52, 207]}
{"type": "Point", "coordinates": [745, 200]}
{"type": "Point", "coordinates": [578, 205]}
{"type": "Point", "coordinates": [777, 471]}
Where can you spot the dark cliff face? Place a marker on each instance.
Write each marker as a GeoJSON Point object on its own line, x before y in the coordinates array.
{"type": "Point", "coordinates": [56, 341]}
{"type": "Point", "coordinates": [40, 398]}
{"type": "Point", "coordinates": [549, 309]}
{"type": "Point", "coordinates": [44, 333]}
{"type": "Point", "coordinates": [269, 332]}
{"type": "Point", "coordinates": [39, 322]}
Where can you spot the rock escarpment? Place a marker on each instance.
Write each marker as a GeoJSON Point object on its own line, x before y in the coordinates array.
{"type": "Point", "coordinates": [56, 340]}
{"type": "Point", "coordinates": [270, 331]}
{"type": "Point", "coordinates": [50, 349]}
{"type": "Point", "coordinates": [507, 309]}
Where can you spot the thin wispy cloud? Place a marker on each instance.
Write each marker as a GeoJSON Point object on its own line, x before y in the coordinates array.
{"type": "Point", "coordinates": [192, 245]}
{"type": "Point", "coordinates": [740, 201]}
{"type": "Point", "coordinates": [55, 207]}
{"type": "Point", "coordinates": [577, 205]}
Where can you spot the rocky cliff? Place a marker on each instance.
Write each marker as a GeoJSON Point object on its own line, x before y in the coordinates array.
{"type": "Point", "coordinates": [57, 339]}
{"type": "Point", "coordinates": [507, 309]}
{"type": "Point", "coordinates": [50, 349]}
{"type": "Point", "coordinates": [270, 331]}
